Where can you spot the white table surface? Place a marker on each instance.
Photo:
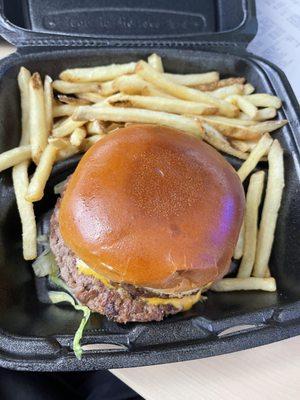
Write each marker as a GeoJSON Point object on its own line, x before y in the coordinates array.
{"type": "Point", "coordinates": [263, 373]}
{"type": "Point", "coordinates": [269, 372]}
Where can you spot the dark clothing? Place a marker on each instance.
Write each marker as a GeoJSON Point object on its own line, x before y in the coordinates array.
{"type": "Point", "coordinates": [98, 385]}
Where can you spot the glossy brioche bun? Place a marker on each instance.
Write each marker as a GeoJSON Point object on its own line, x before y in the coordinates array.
{"type": "Point", "coordinates": [153, 207]}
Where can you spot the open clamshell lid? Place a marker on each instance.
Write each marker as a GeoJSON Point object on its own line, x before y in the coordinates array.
{"type": "Point", "coordinates": [112, 23]}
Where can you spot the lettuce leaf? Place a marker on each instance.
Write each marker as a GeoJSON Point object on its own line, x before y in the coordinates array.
{"type": "Point", "coordinates": [45, 264]}
{"type": "Point", "coordinates": [59, 297]}
{"type": "Point", "coordinates": [59, 282]}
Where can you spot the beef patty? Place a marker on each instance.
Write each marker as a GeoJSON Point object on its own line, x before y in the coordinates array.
{"type": "Point", "coordinates": [123, 303]}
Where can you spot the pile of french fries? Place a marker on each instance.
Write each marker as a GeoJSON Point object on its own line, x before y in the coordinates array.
{"type": "Point", "coordinates": [63, 117]}
{"type": "Point", "coordinates": [256, 237]}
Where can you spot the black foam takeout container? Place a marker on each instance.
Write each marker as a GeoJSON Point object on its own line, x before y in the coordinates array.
{"type": "Point", "coordinates": [191, 37]}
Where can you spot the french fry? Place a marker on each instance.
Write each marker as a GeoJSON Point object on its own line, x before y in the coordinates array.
{"type": "Point", "coordinates": [151, 90]}
{"type": "Point", "coordinates": [70, 87]}
{"type": "Point", "coordinates": [37, 118]}
{"type": "Point", "coordinates": [77, 136]}
{"type": "Point", "coordinates": [26, 212]}
{"type": "Point", "coordinates": [95, 74]}
{"type": "Point", "coordinates": [255, 156]}
{"type": "Point", "coordinates": [243, 104]}
{"type": "Point", "coordinates": [156, 63]}
{"type": "Point", "coordinates": [248, 88]}
{"type": "Point", "coordinates": [244, 117]}
{"type": "Point", "coordinates": [38, 181]}
{"type": "Point", "coordinates": [95, 128]}
{"type": "Point", "coordinates": [247, 107]}
{"type": "Point", "coordinates": [14, 156]}
{"type": "Point", "coordinates": [134, 85]}
{"type": "Point", "coordinates": [271, 207]}
{"type": "Point", "coordinates": [88, 142]}
{"type": "Point", "coordinates": [268, 126]}
{"type": "Point", "coordinates": [73, 100]}
{"type": "Point", "coordinates": [59, 121]}
{"type": "Point", "coordinates": [20, 175]}
{"type": "Point", "coordinates": [253, 200]}
{"type": "Point", "coordinates": [264, 100]}
{"type": "Point", "coordinates": [23, 82]}
{"type": "Point", "coordinates": [183, 92]}
{"type": "Point", "coordinates": [48, 98]}
{"type": "Point", "coordinates": [212, 136]}
{"type": "Point", "coordinates": [231, 131]}
{"type": "Point", "coordinates": [175, 106]}
{"type": "Point", "coordinates": [233, 284]}
{"type": "Point", "coordinates": [207, 87]}
{"type": "Point", "coordinates": [268, 273]}
{"type": "Point", "coordinates": [223, 147]}
{"type": "Point", "coordinates": [130, 84]}
{"type": "Point", "coordinates": [119, 114]}
{"type": "Point", "coordinates": [232, 99]}
{"type": "Point", "coordinates": [67, 152]}
{"type": "Point", "coordinates": [113, 126]}
{"type": "Point", "coordinates": [225, 91]}
{"type": "Point", "coordinates": [194, 79]}
{"type": "Point", "coordinates": [108, 88]}
{"type": "Point", "coordinates": [68, 109]}
{"type": "Point", "coordinates": [63, 110]}
{"type": "Point", "coordinates": [232, 121]}
{"type": "Point", "coordinates": [239, 248]}
{"type": "Point", "coordinates": [261, 115]}
{"type": "Point", "coordinates": [216, 134]}
{"type": "Point", "coordinates": [242, 145]}
{"type": "Point", "coordinates": [67, 127]}
{"type": "Point", "coordinates": [90, 97]}
{"type": "Point", "coordinates": [265, 113]}
{"type": "Point", "coordinates": [59, 143]}
{"type": "Point", "coordinates": [246, 146]}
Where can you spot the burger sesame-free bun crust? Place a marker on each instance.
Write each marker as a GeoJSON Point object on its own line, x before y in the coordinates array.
{"type": "Point", "coordinates": [153, 207]}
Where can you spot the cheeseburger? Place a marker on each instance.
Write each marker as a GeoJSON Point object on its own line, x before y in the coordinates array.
{"type": "Point", "coordinates": [147, 222]}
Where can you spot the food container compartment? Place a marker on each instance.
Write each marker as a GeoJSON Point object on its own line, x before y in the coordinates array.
{"type": "Point", "coordinates": [36, 335]}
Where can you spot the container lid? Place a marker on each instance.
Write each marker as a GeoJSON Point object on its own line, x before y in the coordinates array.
{"type": "Point", "coordinates": [127, 22]}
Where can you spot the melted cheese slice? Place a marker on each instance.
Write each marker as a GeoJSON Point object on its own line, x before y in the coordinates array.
{"type": "Point", "coordinates": [84, 269]}
{"type": "Point", "coordinates": [184, 303]}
